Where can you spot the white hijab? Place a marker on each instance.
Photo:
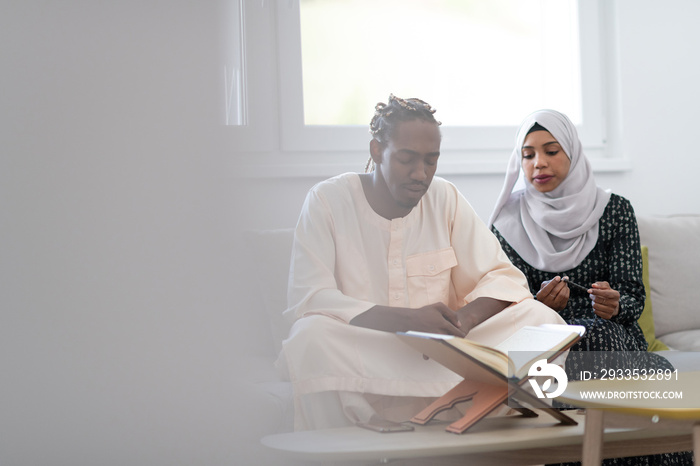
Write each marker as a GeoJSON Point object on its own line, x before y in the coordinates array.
{"type": "Point", "coordinates": [551, 231]}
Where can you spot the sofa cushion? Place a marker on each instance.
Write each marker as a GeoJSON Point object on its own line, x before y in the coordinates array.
{"type": "Point", "coordinates": [683, 361]}
{"type": "Point", "coordinates": [646, 320]}
{"type": "Point", "coordinates": [686, 341]}
{"type": "Point", "coordinates": [674, 255]}
{"type": "Point", "coordinates": [272, 252]}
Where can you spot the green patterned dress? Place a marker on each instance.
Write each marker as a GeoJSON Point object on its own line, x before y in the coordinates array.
{"type": "Point", "coordinates": [616, 259]}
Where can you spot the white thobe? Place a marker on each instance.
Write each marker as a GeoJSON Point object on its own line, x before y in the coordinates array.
{"type": "Point", "coordinates": [347, 259]}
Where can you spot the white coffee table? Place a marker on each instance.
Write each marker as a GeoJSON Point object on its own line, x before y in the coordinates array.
{"type": "Point", "coordinates": [508, 440]}
{"type": "Point", "coordinates": [643, 414]}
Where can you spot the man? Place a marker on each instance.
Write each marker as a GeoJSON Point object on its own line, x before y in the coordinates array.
{"type": "Point", "coordinates": [388, 251]}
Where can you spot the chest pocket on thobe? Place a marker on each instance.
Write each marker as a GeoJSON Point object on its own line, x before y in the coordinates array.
{"type": "Point", "coordinates": [429, 277]}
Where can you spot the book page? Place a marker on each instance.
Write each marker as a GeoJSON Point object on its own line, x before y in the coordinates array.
{"type": "Point", "coordinates": [492, 357]}
{"type": "Point", "coordinates": [466, 358]}
{"type": "Point", "coordinates": [539, 339]}
{"type": "Point", "coordinates": [523, 346]}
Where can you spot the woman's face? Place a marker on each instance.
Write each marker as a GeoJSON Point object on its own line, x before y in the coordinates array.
{"type": "Point", "coordinates": [544, 162]}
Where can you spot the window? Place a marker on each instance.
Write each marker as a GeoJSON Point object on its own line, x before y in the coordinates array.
{"type": "Point", "coordinates": [483, 65]}
{"type": "Point", "coordinates": [479, 63]}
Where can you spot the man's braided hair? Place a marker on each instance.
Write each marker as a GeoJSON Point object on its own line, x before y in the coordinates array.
{"type": "Point", "coordinates": [387, 116]}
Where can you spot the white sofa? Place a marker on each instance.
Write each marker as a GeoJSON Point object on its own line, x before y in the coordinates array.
{"type": "Point", "coordinates": [674, 255]}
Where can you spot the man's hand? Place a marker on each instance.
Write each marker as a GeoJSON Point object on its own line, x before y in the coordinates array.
{"type": "Point", "coordinates": [433, 318]}
{"type": "Point", "coordinates": [554, 293]}
{"type": "Point", "coordinates": [605, 300]}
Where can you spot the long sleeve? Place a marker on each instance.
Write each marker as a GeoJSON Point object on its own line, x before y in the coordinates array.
{"type": "Point", "coordinates": [313, 288]}
{"type": "Point", "coordinates": [483, 268]}
{"type": "Point", "coordinates": [625, 264]}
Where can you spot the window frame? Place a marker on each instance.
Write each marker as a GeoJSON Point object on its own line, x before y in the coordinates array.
{"type": "Point", "coordinates": [235, 76]}
{"type": "Point", "coordinates": [254, 40]}
{"type": "Point", "coordinates": [478, 144]}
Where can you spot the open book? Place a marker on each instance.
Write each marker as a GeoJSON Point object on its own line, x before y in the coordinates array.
{"type": "Point", "coordinates": [488, 371]}
{"type": "Point", "coordinates": [510, 358]}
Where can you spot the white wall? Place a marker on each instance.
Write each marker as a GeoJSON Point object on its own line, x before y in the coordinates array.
{"type": "Point", "coordinates": [660, 97]}
{"type": "Point", "coordinates": [121, 206]}
{"type": "Point", "coordinates": [116, 296]}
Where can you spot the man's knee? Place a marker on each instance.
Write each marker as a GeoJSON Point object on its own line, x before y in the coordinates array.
{"type": "Point", "coordinates": [318, 334]}
{"type": "Point", "coordinates": [316, 325]}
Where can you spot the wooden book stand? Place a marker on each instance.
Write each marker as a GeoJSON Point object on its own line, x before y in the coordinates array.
{"type": "Point", "coordinates": [483, 385]}
{"type": "Point", "coordinates": [485, 398]}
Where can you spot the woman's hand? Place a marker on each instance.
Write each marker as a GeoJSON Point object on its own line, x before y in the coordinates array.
{"type": "Point", "coordinates": [605, 300]}
{"type": "Point", "coordinates": [554, 293]}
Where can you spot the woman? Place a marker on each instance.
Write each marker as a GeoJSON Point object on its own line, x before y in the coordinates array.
{"type": "Point", "coordinates": [559, 228]}
{"type": "Point", "coordinates": [562, 226]}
